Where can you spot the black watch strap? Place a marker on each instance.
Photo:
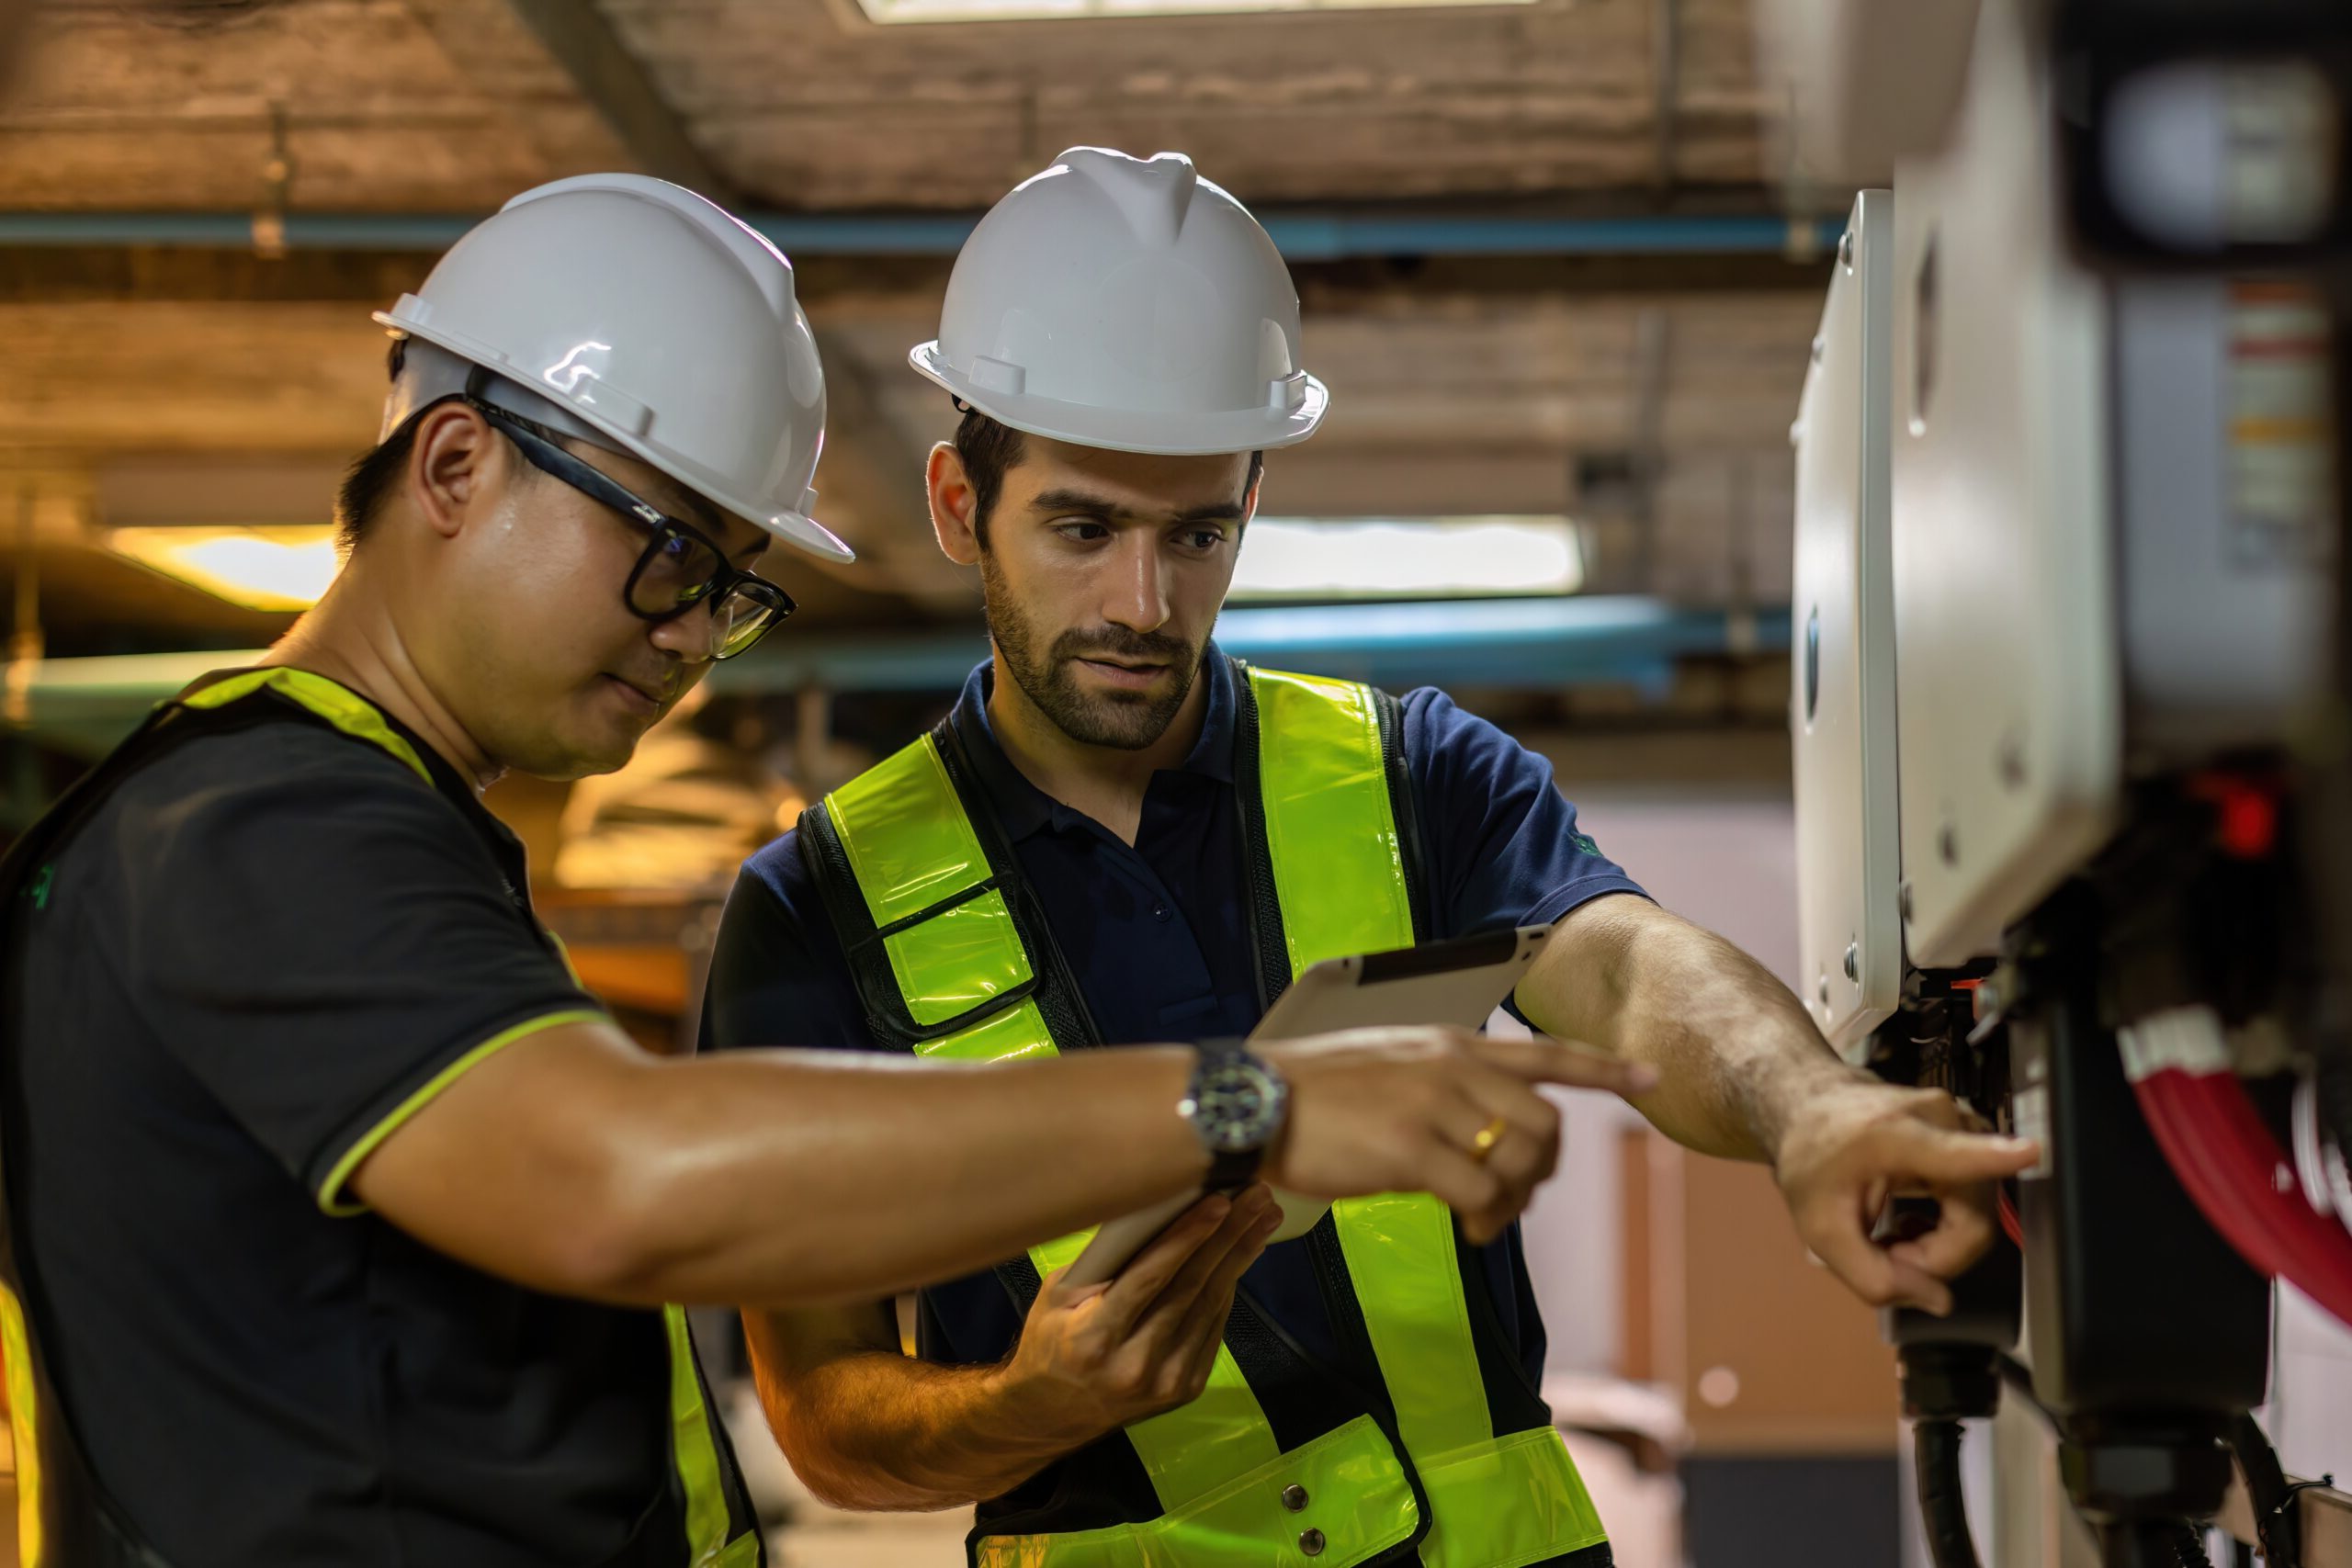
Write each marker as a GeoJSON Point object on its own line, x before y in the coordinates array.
{"type": "Point", "coordinates": [1230, 1171]}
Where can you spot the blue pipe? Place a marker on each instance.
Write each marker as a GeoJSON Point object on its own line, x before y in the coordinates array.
{"type": "Point", "coordinates": [1517, 644]}
{"type": "Point", "coordinates": [1302, 236]}
{"type": "Point", "coordinates": [1312, 237]}
{"type": "Point", "coordinates": [87, 704]}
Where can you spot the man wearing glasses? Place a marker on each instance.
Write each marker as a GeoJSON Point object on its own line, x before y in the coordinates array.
{"type": "Point", "coordinates": [340, 1223]}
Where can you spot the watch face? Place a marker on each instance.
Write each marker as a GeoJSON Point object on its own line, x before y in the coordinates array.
{"type": "Point", "coordinates": [1238, 1105]}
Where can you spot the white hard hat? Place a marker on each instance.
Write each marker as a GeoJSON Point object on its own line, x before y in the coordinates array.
{"type": "Point", "coordinates": [653, 322]}
{"type": "Point", "coordinates": [1115, 303]}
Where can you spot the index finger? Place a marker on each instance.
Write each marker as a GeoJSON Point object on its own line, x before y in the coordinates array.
{"type": "Point", "coordinates": [1938, 1159]}
{"type": "Point", "coordinates": [1565, 1062]}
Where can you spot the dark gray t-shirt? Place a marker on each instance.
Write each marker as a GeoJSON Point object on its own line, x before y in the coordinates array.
{"type": "Point", "coordinates": [269, 946]}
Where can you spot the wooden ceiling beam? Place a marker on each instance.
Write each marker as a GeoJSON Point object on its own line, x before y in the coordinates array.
{"type": "Point", "coordinates": [617, 85]}
{"type": "Point", "coordinates": [88, 274]}
{"type": "Point", "coordinates": [555, 44]}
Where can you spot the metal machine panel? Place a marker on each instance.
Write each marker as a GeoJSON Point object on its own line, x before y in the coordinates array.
{"type": "Point", "coordinates": [2008, 692]}
{"type": "Point", "coordinates": [1841, 707]}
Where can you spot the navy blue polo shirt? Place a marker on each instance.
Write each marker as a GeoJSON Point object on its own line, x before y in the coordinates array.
{"type": "Point", "coordinates": [1158, 939]}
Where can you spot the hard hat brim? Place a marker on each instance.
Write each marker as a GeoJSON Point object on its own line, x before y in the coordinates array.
{"type": "Point", "coordinates": [794, 527]}
{"type": "Point", "coordinates": [1160, 432]}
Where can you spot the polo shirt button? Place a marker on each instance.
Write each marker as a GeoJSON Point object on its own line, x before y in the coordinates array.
{"type": "Point", "coordinates": [1159, 912]}
{"type": "Point", "coordinates": [1311, 1542]}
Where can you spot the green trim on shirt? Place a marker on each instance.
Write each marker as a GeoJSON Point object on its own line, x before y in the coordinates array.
{"type": "Point", "coordinates": [331, 1199]}
{"type": "Point", "coordinates": [338, 704]}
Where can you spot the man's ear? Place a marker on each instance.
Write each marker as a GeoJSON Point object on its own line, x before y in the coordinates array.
{"type": "Point", "coordinates": [953, 502]}
{"type": "Point", "coordinates": [457, 459]}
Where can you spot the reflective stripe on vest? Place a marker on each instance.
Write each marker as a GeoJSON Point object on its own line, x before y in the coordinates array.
{"type": "Point", "coordinates": [912, 848]}
{"type": "Point", "coordinates": [23, 1426]}
{"type": "Point", "coordinates": [696, 1453]}
{"type": "Point", "coordinates": [692, 1443]}
{"type": "Point", "coordinates": [1214, 1464]}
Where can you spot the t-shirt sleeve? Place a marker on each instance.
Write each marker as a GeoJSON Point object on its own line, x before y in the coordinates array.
{"type": "Point", "coordinates": [1503, 844]}
{"type": "Point", "coordinates": [325, 944]}
{"type": "Point", "coordinates": [779, 975]}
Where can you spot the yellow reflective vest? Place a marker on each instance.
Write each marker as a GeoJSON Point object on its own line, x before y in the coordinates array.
{"type": "Point", "coordinates": [1430, 1447]}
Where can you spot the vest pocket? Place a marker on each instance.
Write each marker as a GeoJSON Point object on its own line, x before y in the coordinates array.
{"type": "Point", "coordinates": [1507, 1503]}
{"type": "Point", "coordinates": [1336, 1501]}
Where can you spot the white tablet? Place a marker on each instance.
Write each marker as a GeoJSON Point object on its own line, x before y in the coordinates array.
{"type": "Point", "coordinates": [1459, 982]}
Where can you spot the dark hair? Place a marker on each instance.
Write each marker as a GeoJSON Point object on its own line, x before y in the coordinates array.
{"type": "Point", "coordinates": [375, 477]}
{"type": "Point", "coordinates": [371, 480]}
{"type": "Point", "coordinates": [989, 450]}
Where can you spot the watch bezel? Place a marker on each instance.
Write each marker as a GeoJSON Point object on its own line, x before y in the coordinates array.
{"type": "Point", "coordinates": [1220, 1131]}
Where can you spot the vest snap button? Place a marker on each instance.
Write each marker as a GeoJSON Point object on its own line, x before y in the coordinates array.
{"type": "Point", "coordinates": [1295, 1498]}
{"type": "Point", "coordinates": [1311, 1542]}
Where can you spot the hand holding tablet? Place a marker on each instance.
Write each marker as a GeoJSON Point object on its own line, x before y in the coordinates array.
{"type": "Point", "coordinates": [1458, 983]}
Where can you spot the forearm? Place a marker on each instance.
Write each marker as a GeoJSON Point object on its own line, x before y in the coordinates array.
{"type": "Point", "coordinates": [878, 1430]}
{"type": "Point", "coordinates": [1734, 1050]}
{"type": "Point", "coordinates": [782, 1177]}
{"type": "Point", "coordinates": [573, 1162]}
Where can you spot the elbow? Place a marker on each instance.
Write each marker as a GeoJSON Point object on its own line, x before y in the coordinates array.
{"type": "Point", "coordinates": [829, 1485]}
{"type": "Point", "coordinates": [625, 1240]}
{"type": "Point", "coordinates": [838, 1478]}
{"type": "Point", "coordinates": [605, 1254]}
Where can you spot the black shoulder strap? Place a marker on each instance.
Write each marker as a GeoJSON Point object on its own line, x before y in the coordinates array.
{"type": "Point", "coordinates": [887, 1018]}
{"type": "Point", "coordinates": [1405, 804]}
{"type": "Point", "coordinates": [1050, 984]}
{"type": "Point", "coordinates": [1263, 905]}
{"type": "Point", "coordinates": [1059, 1000]}
{"type": "Point", "coordinates": [168, 726]}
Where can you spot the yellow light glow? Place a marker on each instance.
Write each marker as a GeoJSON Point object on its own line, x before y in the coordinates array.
{"type": "Point", "coordinates": [892, 11]}
{"type": "Point", "coordinates": [261, 569]}
{"type": "Point", "coordinates": [1418, 558]}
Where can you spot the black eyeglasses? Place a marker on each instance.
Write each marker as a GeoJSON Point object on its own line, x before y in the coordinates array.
{"type": "Point", "coordinates": [681, 568]}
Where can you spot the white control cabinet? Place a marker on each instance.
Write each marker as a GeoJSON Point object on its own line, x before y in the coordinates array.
{"type": "Point", "coordinates": [2008, 686]}
{"type": "Point", "coordinates": [1841, 704]}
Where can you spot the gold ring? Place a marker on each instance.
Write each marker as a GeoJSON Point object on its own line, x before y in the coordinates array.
{"type": "Point", "coordinates": [1488, 1136]}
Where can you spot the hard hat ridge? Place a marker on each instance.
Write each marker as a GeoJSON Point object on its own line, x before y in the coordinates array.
{"type": "Point", "coordinates": [1153, 195]}
{"type": "Point", "coordinates": [1129, 304]}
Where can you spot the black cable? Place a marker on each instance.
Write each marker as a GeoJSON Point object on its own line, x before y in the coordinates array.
{"type": "Point", "coordinates": [2146, 1543]}
{"type": "Point", "coordinates": [2275, 1525]}
{"type": "Point", "coordinates": [2176, 1544]}
{"type": "Point", "coordinates": [1943, 1511]}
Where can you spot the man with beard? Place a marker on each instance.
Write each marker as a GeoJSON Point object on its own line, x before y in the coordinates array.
{"type": "Point", "coordinates": [1119, 834]}
{"type": "Point", "coordinates": [341, 1224]}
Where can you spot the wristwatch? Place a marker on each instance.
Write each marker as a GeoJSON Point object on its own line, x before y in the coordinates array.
{"type": "Point", "coordinates": [1236, 1102]}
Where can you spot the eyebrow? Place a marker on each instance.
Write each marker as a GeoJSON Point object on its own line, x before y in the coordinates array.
{"type": "Point", "coordinates": [711, 520]}
{"type": "Point", "coordinates": [1103, 506]}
